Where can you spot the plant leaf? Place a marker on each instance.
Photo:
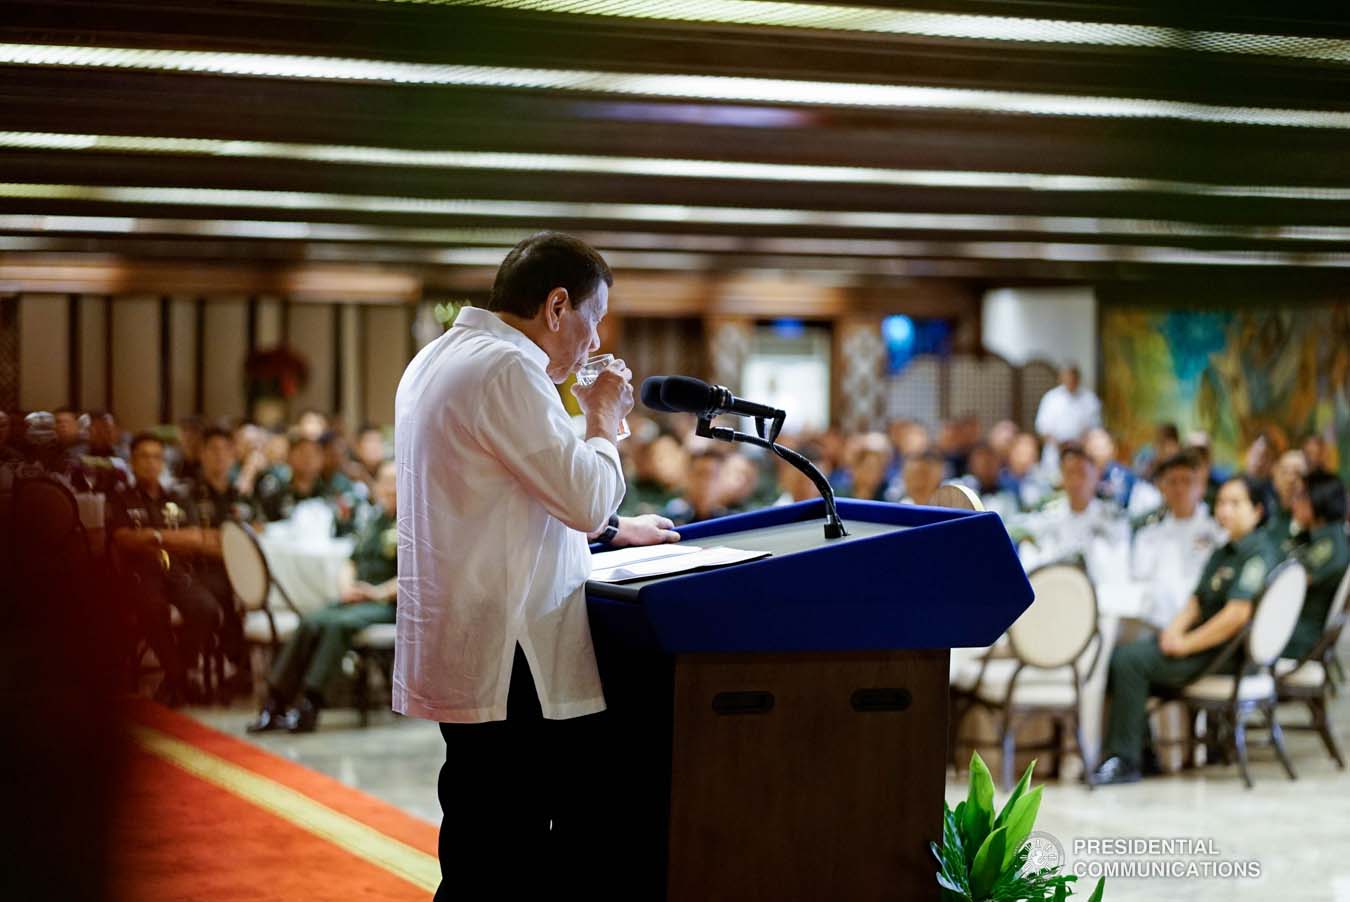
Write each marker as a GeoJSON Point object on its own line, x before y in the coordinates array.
{"type": "Point", "coordinates": [1020, 822]}
{"type": "Point", "coordinates": [1018, 791]}
{"type": "Point", "coordinates": [988, 864]}
{"type": "Point", "coordinates": [978, 817]}
{"type": "Point", "coordinates": [1097, 892]}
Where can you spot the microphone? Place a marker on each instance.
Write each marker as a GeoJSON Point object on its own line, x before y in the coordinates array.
{"type": "Point", "coordinates": [651, 394]}
{"type": "Point", "coordinates": [689, 395]}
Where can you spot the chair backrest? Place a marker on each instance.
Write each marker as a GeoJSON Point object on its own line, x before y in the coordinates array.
{"type": "Point", "coordinates": [45, 517]}
{"type": "Point", "coordinates": [956, 495]}
{"type": "Point", "coordinates": [1277, 610]}
{"type": "Point", "coordinates": [1061, 621]}
{"type": "Point", "coordinates": [1338, 600]}
{"type": "Point", "coordinates": [245, 564]}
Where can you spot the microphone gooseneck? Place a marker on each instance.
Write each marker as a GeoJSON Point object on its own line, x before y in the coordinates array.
{"type": "Point", "coordinates": [686, 394]}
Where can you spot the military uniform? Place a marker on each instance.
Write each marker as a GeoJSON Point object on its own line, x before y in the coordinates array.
{"type": "Point", "coordinates": [1236, 571]}
{"type": "Point", "coordinates": [645, 496]}
{"type": "Point", "coordinates": [156, 583]}
{"type": "Point", "coordinates": [1280, 525]}
{"type": "Point", "coordinates": [1325, 554]}
{"type": "Point", "coordinates": [1098, 536]}
{"type": "Point", "coordinates": [211, 509]}
{"type": "Point", "coordinates": [313, 656]}
{"type": "Point", "coordinates": [1168, 556]}
{"type": "Point", "coordinates": [276, 496]}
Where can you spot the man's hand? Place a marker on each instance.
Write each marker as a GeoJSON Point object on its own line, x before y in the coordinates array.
{"type": "Point", "coordinates": [648, 529]}
{"type": "Point", "coordinates": [356, 593]}
{"type": "Point", "coordinates": [606, 401]}
{"type": "Point", "coordinates": [1174, 645]}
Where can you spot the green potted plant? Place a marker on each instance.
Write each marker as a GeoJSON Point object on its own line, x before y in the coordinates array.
{"type": "Point", "coordinates": [984, 855]}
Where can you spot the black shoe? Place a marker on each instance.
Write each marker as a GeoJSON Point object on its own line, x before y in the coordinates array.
{"type": "Point", "coordinates": [271, 717]}
{"type": "Point", "coordinates": [1151, 766]}
{"type": "Point", "coordinates": [1115, 770]}
{"type": "Point", "coordinates": [303, 718]}
{"type": "Point", "coordinates": [170, 694]}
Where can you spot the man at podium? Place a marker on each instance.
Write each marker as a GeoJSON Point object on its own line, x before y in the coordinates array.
{"type": "Point", "coordinates": [497, 499]}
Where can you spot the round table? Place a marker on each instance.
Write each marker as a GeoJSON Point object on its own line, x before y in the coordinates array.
{"type": "Point", "coordinates": [306, 568]}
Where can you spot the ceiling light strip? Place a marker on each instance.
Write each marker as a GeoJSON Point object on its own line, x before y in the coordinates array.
{"type": "Point", "coordinates": [754, 255]}
{"type": "Point", "coordinates": [871, 20]}
{"type": "Point", "coordinates": [695, 87]}
{"type": "Point", "coordinates": [665, 213]}
{"type": "Point", "coordinates": [649, 167]}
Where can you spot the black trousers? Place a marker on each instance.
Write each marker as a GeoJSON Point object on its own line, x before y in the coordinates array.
{"type": "Point", "coordinates": [154, 592]}
{"type": "Point", "coordinates": [533, 806]}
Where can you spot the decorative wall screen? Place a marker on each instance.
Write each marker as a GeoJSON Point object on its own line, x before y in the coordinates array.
{"type": "Point", "coordinates": [933, 388]}
{"type": "Point", "coordinates": [982, 387]}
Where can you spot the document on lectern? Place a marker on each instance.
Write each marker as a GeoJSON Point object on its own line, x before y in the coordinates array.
{"type": "Point", "coordinates": [649, 561]}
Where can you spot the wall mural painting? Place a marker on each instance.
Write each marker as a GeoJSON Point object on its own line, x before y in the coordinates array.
{"type": "Point", "coordinates": [1232, 373]}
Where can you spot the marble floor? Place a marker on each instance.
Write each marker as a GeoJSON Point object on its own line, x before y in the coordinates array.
{"type": "Point", "coordinates": [1296, 834]}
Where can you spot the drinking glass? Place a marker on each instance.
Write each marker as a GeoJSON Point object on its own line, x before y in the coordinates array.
{"type": "Point", "coordinates": [590, 371]}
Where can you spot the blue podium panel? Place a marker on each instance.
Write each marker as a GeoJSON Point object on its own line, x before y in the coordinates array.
{"type": "Point", "coordinates": [904, 578]}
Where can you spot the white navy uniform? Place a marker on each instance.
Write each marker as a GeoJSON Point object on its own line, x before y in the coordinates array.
{"type": "Point", "coordinates": [1168, 557]}
{"type": "Point", "coordinates": [1099, 534]}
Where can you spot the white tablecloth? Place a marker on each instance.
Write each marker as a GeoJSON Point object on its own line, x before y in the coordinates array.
{"type": "Point", "coordinates": [306, 568]}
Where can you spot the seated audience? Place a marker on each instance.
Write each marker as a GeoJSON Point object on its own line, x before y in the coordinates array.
{"type": "Point", "coordinates": [1077, 526]}
{"type": "Point", "coordinates": [1023, 476]}
{"type": "Point", "coordinates": [249, 441]}
{"type": "Point", "coordinates": [1320, 545]}
{"type": "Point", "coordinates": [1286, 478]}
{"type": "Point", "coordinates": [311, 424]}
{"type": "Point", "coordinates": [703, 492]}
{"type": "Point", "coordinates": [104, 463]}
{"type": "Point", "coordinates": [1211, 479]}
{"type": "Point", "coordinates": [868, 470]}
{"type": "Point", "coordinates": [1166, 443]}
{"type": "Point", "coordinates": [659, 471]}
{"type": "Point", "coordinates": [155, 535]}
{"type": "Point", "coordinates": [215, 500]}
{"type": "Point", "coordinates": [67, 426]}
{"type": "Point", "coordinates": [1218, 609]}
{"type": "Point", "coordinates": [370, 454]}
{"type": "Point", "coordinates": [1315, 454]}
{"type": "Point", "coordinates": [922, 476]}
{"type": "Point", "coordinates": [306, 666]}
{"type": "Point", "coordinates": [983, 478]}
{"type": "Point", "coordinates": [1173, 544]}
{"type": "Point", "coordinates": [1258, 463]}
{"type": "Point", "coordinates": [279, 491]}
{"type": "Point", "coordinates": [347, 494]}
{"type": "Point", "coordinates": [1117, 483]}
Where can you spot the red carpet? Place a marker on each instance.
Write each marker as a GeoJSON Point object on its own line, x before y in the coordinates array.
{"type": "Point", "coordinates": [209, 817]}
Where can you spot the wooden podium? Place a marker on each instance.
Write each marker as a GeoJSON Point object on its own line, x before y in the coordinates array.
{"type": "Point", "coordinates": [785, 720]}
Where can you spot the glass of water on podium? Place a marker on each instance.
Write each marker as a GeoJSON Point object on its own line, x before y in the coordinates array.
{"type": "Point", "coordinates": [590, 371]}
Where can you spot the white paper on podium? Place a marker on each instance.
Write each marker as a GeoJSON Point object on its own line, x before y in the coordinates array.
{"type": "Point", "coordinates": [648, 561]}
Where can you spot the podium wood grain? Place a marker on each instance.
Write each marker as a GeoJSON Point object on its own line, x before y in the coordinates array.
{"type": "Point", "coordinates": [812, 799]}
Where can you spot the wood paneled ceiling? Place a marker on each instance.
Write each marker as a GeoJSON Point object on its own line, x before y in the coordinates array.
{"type": "Point", "coordinates": [991, 141]}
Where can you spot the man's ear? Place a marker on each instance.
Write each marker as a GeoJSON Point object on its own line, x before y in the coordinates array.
{"type": "Point", "coordinates": [554, 305]}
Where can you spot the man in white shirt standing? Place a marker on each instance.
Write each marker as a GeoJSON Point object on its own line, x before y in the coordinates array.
{"type": "Point", "coordinates": [1066, 413]}
{"type": "Point", "coordinates": [497, 499]}
{"type": "Point", "coordinates": [1173, 545]}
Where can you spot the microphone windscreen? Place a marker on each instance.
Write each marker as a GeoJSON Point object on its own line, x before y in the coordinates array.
{"type": "Point", "coordinates": [651, 394]}
{"type": "Point", "coordinates": [687, 394]}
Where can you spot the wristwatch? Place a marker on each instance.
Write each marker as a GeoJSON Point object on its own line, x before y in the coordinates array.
{"type": "Point", "coordinates": [610, 531]}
